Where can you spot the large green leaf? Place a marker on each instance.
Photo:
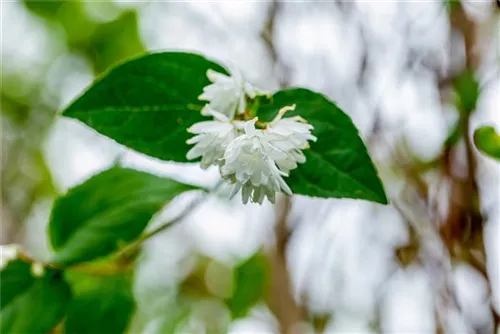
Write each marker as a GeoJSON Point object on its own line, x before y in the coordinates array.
{"type": "Point", "coordinates": [338, 164]}
{"type": "Point", "coordinates": [31, 304]}
{"type": "Point", "coordinates": [109, 209]}
{"type": "Point", "coordinates": [488, 141]}
{"type": "Point", "coordinates": [148, 103]}
{"type": "Point", "coordinates": [100, 305]}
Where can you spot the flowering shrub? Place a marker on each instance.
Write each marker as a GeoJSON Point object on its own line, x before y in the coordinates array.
{"type": "Point", "coordinates": [179, 107]}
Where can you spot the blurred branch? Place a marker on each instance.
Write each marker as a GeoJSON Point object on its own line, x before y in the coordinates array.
{"type": "Point", "coordinates": [267, 37]}
{"type": "Point", "coordinates": [465, 215]}
{"type": "Point", "coordinates": [282, 302]}
{"type": "Point", "coordinates": [432, 254]}
{"type": "Point", "coordinates": [460, 234]}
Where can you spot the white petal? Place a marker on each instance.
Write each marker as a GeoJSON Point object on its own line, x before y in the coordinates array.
{"type": "Point", "coordinates": [241, 104]}
{"type": "Point", "coordinates": [216, 76]}
{"type": "Point", "coordinates": [235, 189]}
{"type": "Point", "coordinates": [206, 126]}
{"type": "Point", "coordinates": [194, 153]}
{"type": "Point", "coordinates": [284, 186]}
{"type": "Point", "coordinates": [245, 192]}
{"type": "Point", "coordinates": [250, 127]}
{"type": "Point", "coordinates": [194, 140]}
{"type": "Point", "coordinates": [258, 195]}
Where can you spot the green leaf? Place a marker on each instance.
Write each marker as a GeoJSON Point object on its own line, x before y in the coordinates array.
{"type": "Point", "coordinates": [114, 41]}
{"type": "Point", "coordinates": [148, 103]}
{"type": "Point", "coordinates": [46, 9]}
{"type": "Point", "coordinates": [109, 209]}
{"type": "Point", "coordinates": [31, 304]}
{"type": "Point", "coordinates": [100, 305]}
{"type": "Point", "coordinates": [251, 280]}
{"type": "Point", "coordinates": [488, 141]}
{"type": "Point", "coordinates": [338, 164]}
{"type": "Point", "coordinates": [467, 90]}
{"type": "Point", "coordinates": [15, 279]}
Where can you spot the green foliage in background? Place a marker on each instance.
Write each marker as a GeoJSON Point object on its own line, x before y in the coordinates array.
{"type": "Point", "coordinates": [251, 281]}
{"type": "Point", "coordinates": [100, 304]}
{"type": "Point", "coordinates": [487, 141]}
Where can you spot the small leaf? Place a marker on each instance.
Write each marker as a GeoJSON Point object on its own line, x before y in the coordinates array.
{"type": "Point", "coordinates": [115, 40]}
{"type": "Point", "coordinates": [455, 134]}
{"type": "Point", "coordinates": [467, 90]}
{"type": "Point", "coordinates": [100, 305]}
{"type": "Point", "coordinates": [251, 279]}
{"type": "Point", "coordinates": [31, 304]}
{"type": "Point", "coordinates": [488, 141]}
{"type": "Point", "coordinates": [109, 209]}
{"type": "Point", "coordinates": [148, 103]}
{"type": "Point", "coordinates": [338, 164]}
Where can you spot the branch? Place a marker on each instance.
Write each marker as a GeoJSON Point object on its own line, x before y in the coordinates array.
{"type": "Point", "coordinates": [282, 303]}
{"type": "Point", "coordinates": [134, 245]}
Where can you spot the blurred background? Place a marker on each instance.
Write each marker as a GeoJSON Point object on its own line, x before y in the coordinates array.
{"type": "Point", "coordinates": [427, 263]}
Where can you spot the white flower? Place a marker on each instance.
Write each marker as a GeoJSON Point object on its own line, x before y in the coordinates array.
{"type": "Point", "coordinates": [211, 140]}
{"type": "Point", "coordinates": [227, 94]}
{"type": "Point", "coordinates": [248, 163]}
{"type": "Point", "coordinates": [289, 136]}
{"type": "Point", "coordinates": [8, 253]}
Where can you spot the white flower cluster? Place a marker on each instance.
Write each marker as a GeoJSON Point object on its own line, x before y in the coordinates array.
{"type": "Point", "coordinates": [253, 160]}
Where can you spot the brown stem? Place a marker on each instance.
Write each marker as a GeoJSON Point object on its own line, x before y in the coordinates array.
{"type": "Point", "coordinates": [281, 302]}
{"type": "Point", "coordinates": [463, 229]}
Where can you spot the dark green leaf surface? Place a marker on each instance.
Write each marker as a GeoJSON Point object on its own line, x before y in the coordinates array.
{"type": "Point", "coordinates": [148, 103]}
{"type": "Point", "coordinates": [14, 280]}
{"type": "Point", "coordinates": [100, 305]}
{"type": "Point", "coordinates": [94, 218]}
{"type": "Point", "coordinates": [338, 164]}
{"type": "Point", "coordinates": [251, 280]}
{"type": "Point", "coordinates": [31, 304]}
{"type": "Point", "coordinates": [488, 141]}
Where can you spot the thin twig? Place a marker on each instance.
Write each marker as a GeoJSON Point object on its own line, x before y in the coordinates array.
{"type": "Point", "coordinates": [282, 302]}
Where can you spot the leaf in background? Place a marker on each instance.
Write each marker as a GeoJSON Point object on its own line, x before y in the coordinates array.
{"type": "Point", "coordinates": [99, 305]}
{"type": "Point", "coordinates": [451, 5]}
{"type": "Point", "coordinates": [47, 9]}
{"type": "Point", "coordinates": [251, 279]}
{"type": "Point", "coordinates": [148, 103]}
{"type": "Point", "coordinates": [31, 304]}
{"type": "Point", "coordinates": [488, 141]}
{"type": "Point", "coordinates": [467, 90]}
{"type": "Point", "coordinates": [115, 41]}
{"type": "Point", "coordinates": [338, 164]}
{"type": "Point", "coordinates": [110, 208]}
